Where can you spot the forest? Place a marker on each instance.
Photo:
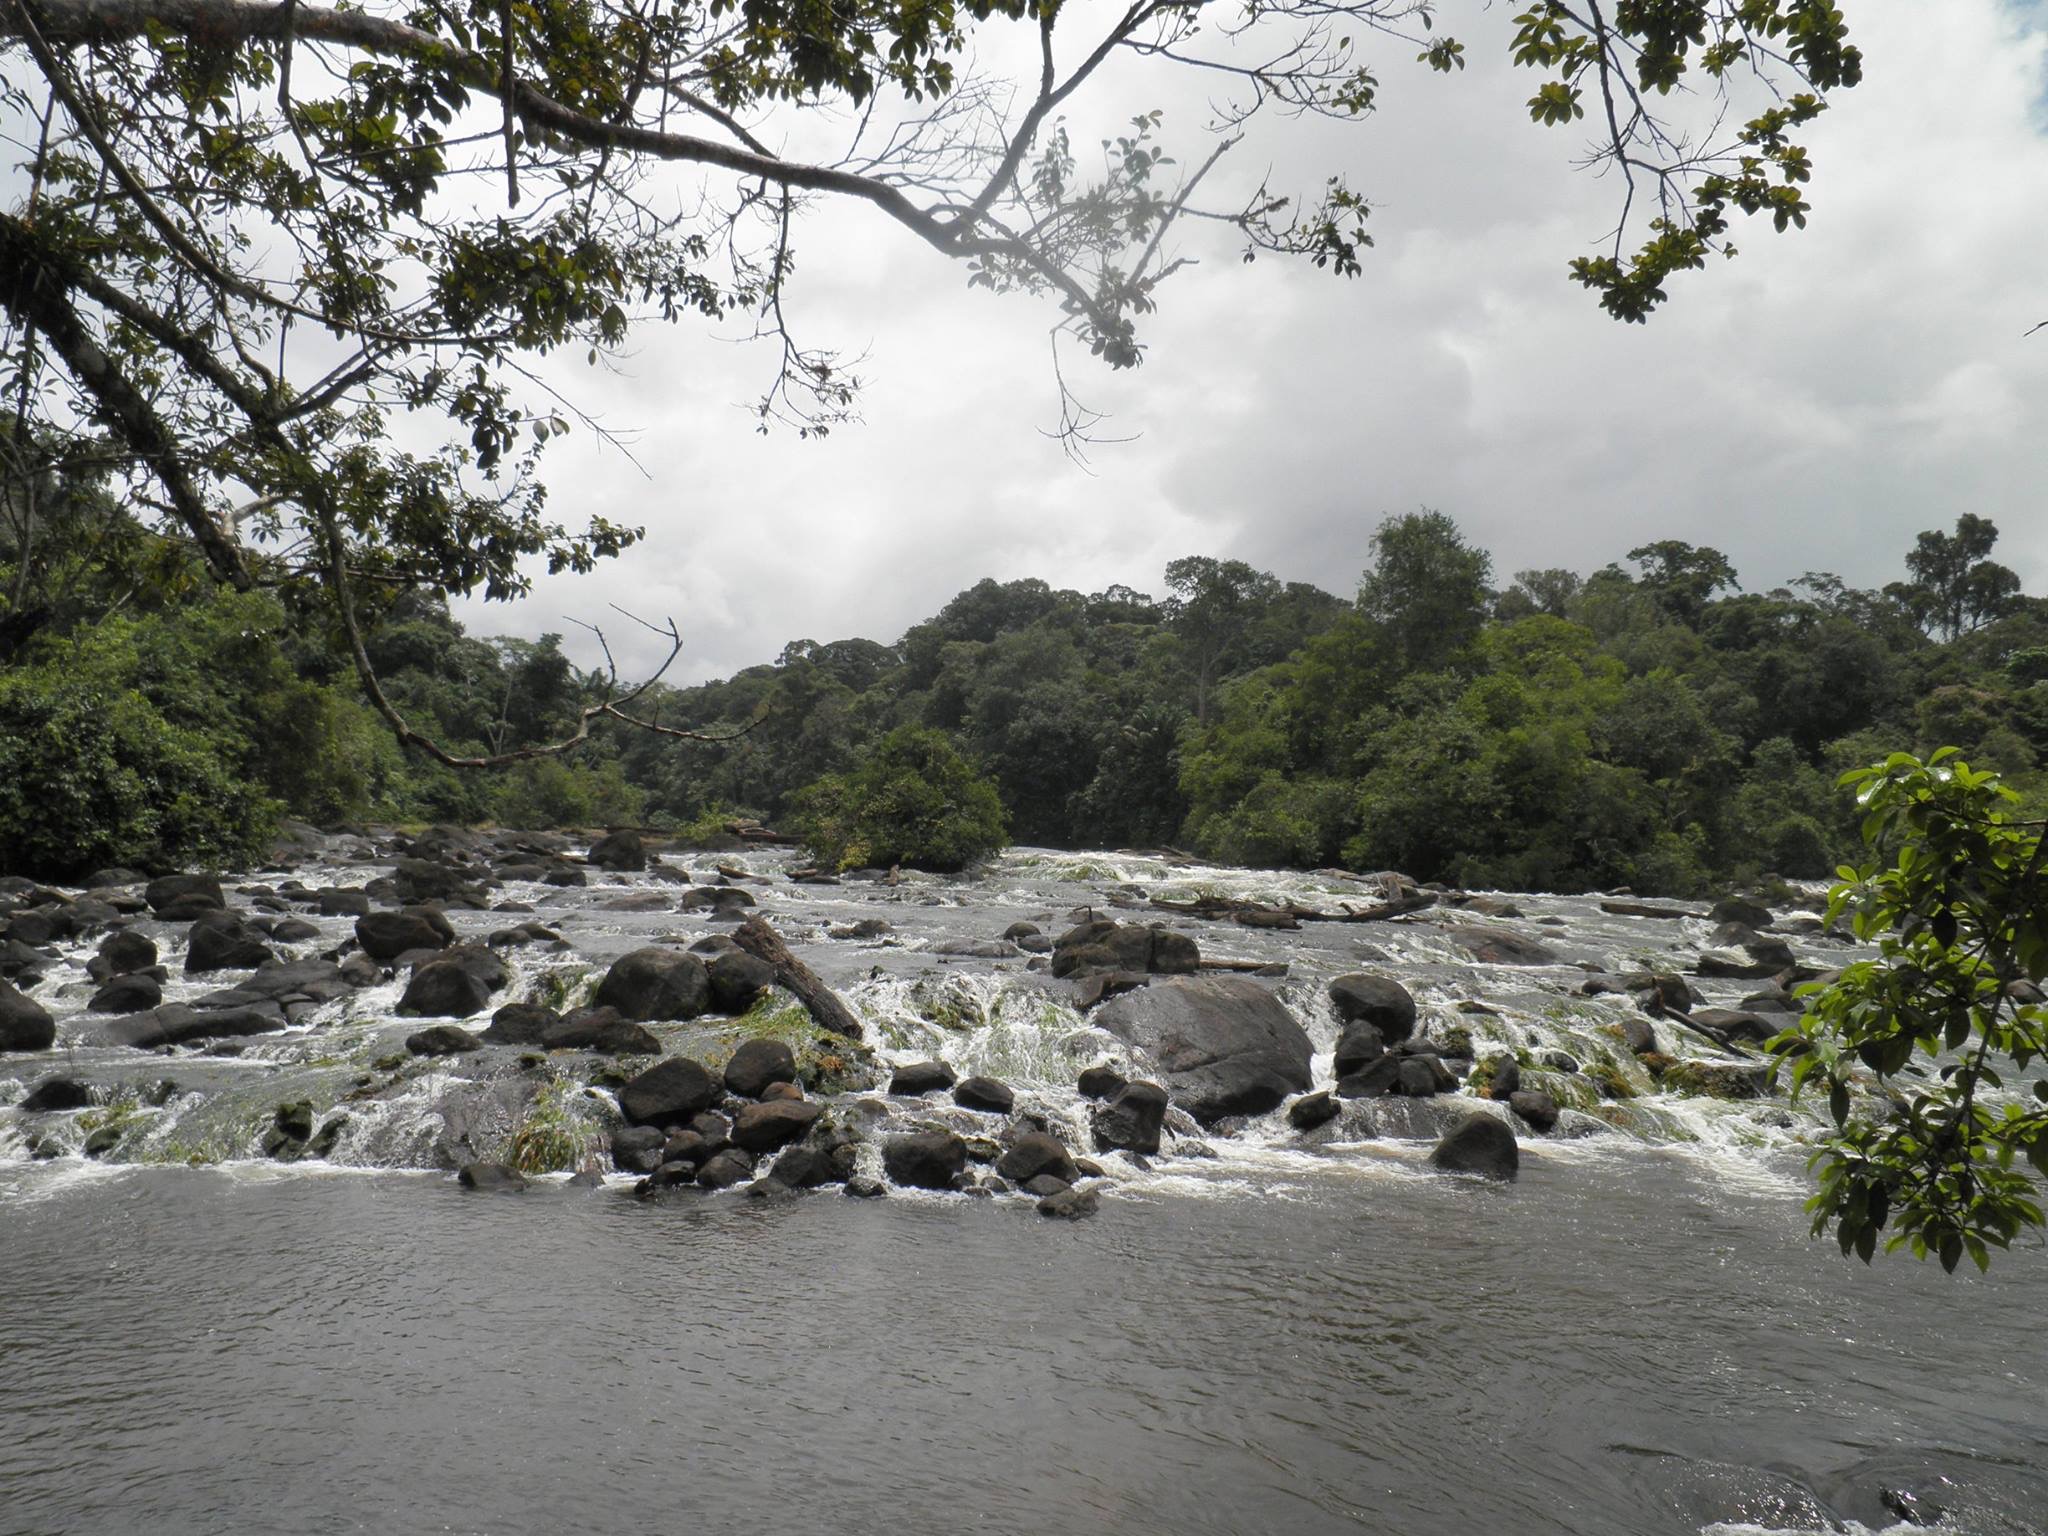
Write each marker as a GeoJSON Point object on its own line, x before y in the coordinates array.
{"type": "Point", "coordinates": [1651, 724]}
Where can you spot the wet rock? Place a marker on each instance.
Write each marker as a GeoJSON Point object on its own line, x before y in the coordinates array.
{"type": "Point", "coordinates": [1380, 1076]}
{"type": "Point", "coordinates": [924, 1159]}
{"type": "Point", "coordinates": [1504, 1078]}
{"type": "Point", "coordinates": [775, 1091]}
{"type": "Point", "coordinates": [668, 1093]}
{"type": "Point", "coordinates": [178, 898]}
{"type": "Point", "coordinates": [1070, 1204]}
{"type": "Point", "coordinates": [1102, 945]}
{"type": "Point", "coordinates": [1718, 1079]}
{"type": "Point", "coordinates": [637, 1148]}
{"type": "Point", "coordinates": [622, 850]}
{"type": "Point", "coordinates": [342, 903]}
{"type": "Point", "coordinates": [866, 1187]}
{"type": "Point", "coordinates": [737, 979]}
{"type": "Point", "coordinates": [977, 949]}
{"type": "Point", "coordinates": [1019, 931]}
{"type": "Point", "coordinates": [102, 1141]}
{"type": "Point", "coordinates": [1740, 909]}
{"type": "Point", "coordinates": [491, 1178]}
{"type": "Point", "coordinates": [521, 1024]}
{"type": "Point", "coordinates": [1729, 1025]}
{"type": "Point", "coordinates": [921, 1077]}
{"type": "Point", "coordinates": [656, 983]}
{"type": "Point", "coordinates": [387, 935]}
{"type": "Point", "coordinates": [1223, 1045]}
{"type": "Point", "coordinates": [861, 928]}
{"type": "Point", "coordinates": [55, 1094]}
{"type": "Point", "coordinates": [1727, 965]}
{"type": "Point", "coordinates": [178, 1024]}
{"type": "Point", "coordinates": [1103, 985]}
{"type": "Point", "coordinates": [1039, 1184]}
{"type": "Point", "coordinates": [764, 1127]}
{"type": "Point", "coordinates": [1032, 1153]}
{"type": "Point", "coordinates": [756, 1064]}
{"type": "Point", "coordinates": [442, 1040]}
{"type": "Point", "coordinates": [1638, 1034]}
{"type": "Point", "coordinates": [223, 941]}
{"type": "Point", "coordinates": [126, 952]}
{"type": "Point", "coordinates": [1315, 1109]}
{"type": "Point", "coordinates": [985, 1094]}
{"type": "Point", "coordinates": [424, 880]}
{"type": "Point", "coordinates": [1359, 1048]}
{"type": "Point", "coordinates": [1132, 1121]}
{"type": "Point", "coordinates": [730, 1167]}
{"type": "Point", "coordinates": [127, 994]}
{"type": "Point", "coordinates": [805, 1168]}
{"type": "Point", "coordinates": [1536, 1108]}
{"type": "Point", "coordinates": [1481, 1145]}
{"type": "Point", "coordinates": [1379, 1001]}
{"type": "Point", "coordinates": [1101, 1083]}
{"type": "Point", "coordinates": [1499, 946]}
{"type": "Point", "coordinates": [445, 989]}
{"type": "Point", "coordinates": [294, 1121]}
{"type": "Point", "coordinates": [601, 1031]}
{"type": "Point", "coordinates": [359, 970]}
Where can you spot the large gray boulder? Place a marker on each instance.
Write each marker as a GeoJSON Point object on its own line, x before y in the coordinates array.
{"type": "Point", "coordinates": [25, 1024]}
{"type": "Point", "coordinates": [1379, 1001]}
{"type": "Point", "coordinates": [1481, 1145]}
{"type": "Point", "coordinates": [1223, 1045]}
{"type": "Point", "coordinates": [387, 935]}
{"type": "Point", "coordinates": [656, 983]}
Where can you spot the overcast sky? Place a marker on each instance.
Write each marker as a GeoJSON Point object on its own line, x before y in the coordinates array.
{"type": "Point", "coordinates": [1808, 406]}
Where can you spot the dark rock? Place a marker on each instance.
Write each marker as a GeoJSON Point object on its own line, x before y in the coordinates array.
{"type": "Point", "coordinates": [656, 983]}
{"type": "Point", "coordinates": [1376, 1078]}
{"type": "Point", "coordinates": [1223, 1045]}
{"type": "Point", "coordinates": [491, 1178]}
{"type": "Point", "coordinates": [359, 970]}
{"type": "Point", "coordinates": [764, 1127]}
{"type": "Point", "coordinates": [1499, 946]}
{"type": "Point", "coordinates": [737, 979]}
{"type": "Point", "coordinates": [25, 1024]}
{"type": "Point", "coordinates": [387, 935]}
{"type": "Point", "coordinates": [192, 891]}
{"type": "Point", "coordinates": [1305, 1114]}
{"type": "Point", "coordinates": [1101, 1083]}
{"type": "Point", "coordinates": [419, 880]}
{"type": "Point", "coordinates": [1033, 1153]}
{"type": "Point", "coordinates": [985, 1094]}
{"type": "Point", "coordinates": [1482, 1145]}
{"type": "Point", "coordinates": [1359, 1048]}
{"type": "Point", "coordinates": [1740, 909]}
{"type": "Point", "coordinates": [294, 930]}
{"type": "Point", "coordinates": [1102, 945]}
{"type": "Point", "coordinates": [342, 903]}
{"type": "Point", "coordinates": [726, 1169]}
{"type": "Point", "coordinates": [1018, 931]}
{"type": "Point", "coordinates": [102, 1141]}
{"type": "Point", "coordinates": [1422, 1077]}
{"type": "Point", "coordinates": [1376, 1000]}
{"type": "Point", "coordinates": [1506, 1080]}
{"type": "Point", "coordinates": [294, 1121]}
{"type": "Point", "coordinates": [1638, 1034]}
{"type": "Point", "coordinates": [637, 1148]}
{"type": "Point", "coordinates": [1728, 1025]}
{"type": "Point", "coordinates": [445, 989]}
{"type": "Point", "coordinates": [222, 941]}
{"type": "Point", "coordinates": [53, 1094]}
{"type": "Point", "coordinates": [805, 1168]}
{"type": "Point", "coordinates": [1131, 1122]}
{"type": "Point", "coordinates": [622, 850]}
{"type": "Point", "coordinates": [1070, 1204]}
{"type": "Point", "coordinates": [668, 1093]}
{"type": "Point", "coordinates": [132, 993]}
{"type": "Point", "coordinates": [602, 1031]}
{"type": "Point", "coordinates": [756, 1064]}
{"type": "Point", "coordinates": [713, 1127]}
{"type": "Point", "coordinates": [1043, 1184]}
{"type": "Point", "coordinates": [127, 952]}
{"type": "Point", "coordinates": [521, 1024]}
{"type": "Point", "coordinates": [924, 1159]}
{"type": "Point", "coordinates": [921, 1077]}
{"type": "Point", "coordinates": [866, 1187]}
{"type": "Point", "coordinates": [442, 1040]}
{"type": "Point", "coordinates": [1103, 985]}
{"type": "Point", "coordinates": [1536, 1108]}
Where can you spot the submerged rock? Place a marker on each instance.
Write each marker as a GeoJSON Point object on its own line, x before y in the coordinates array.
{"type": "Point", "coordinates": [924, 1159]}
{"type": "Point", "coordinates": [1482, 1145]}
{"type": "Point", "coordinates": [491, 1178]}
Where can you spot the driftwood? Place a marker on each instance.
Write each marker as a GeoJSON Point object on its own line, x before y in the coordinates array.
{"type": "Point", "coordinates": [1246, 967]}
{"type": "Point", "coordinates": [1645, 909]}
{"type": "Point", "coordinates": [826, 1006]}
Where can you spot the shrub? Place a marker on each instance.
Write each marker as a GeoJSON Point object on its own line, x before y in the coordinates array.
{"type": "Point", "coordinates": [915, 801]}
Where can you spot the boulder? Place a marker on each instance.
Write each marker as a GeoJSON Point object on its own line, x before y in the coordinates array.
{"type": "Point", "coordinates": [521, 1024]}
{"type": "Point", "coordinates": [189, 895]}
{"type": "Point", "coordinates": [1638, 1034]}
{"type": "Point", "coordinates": [1376, 1000]}
{"type": "Point", "coordinates": [737, 979]}
{"type": "Point", "coordinates": [1032, 1153]}
{"type": "Point", "coordinates": [125, 952]}
{"type": "Point", "coordinates": [765, 1127]}
{"type": "Point", "coordinates": [925, 1159]}
{"type": "Point", "coordinates": [725, 1169]}
{"type": "Point", "coordinates": [223, 941]}
{"type": "Point", "coordinates": [1070, 1204]}
{"type": "Point", "coordinates": [1536, 1108]}
{"type": "Point", "coordinates": [25, 1024]}
{"type": "Point", "coordinates": [54, 1094]}
{"type": "Point", "coordinates": [1499, 946]}
{"type": "Point", "coordinates": [359, 970]}
{"type": "Point", "coordinates": [921, 1077]}
{"type": "Point", "coordinates": [1740, 909]}
{"type": "Point", "coordinates": [1729, 1025]}
{"type": "Point", "coordinates": [637, 1148]}
{"type": "Point", "coordinates": [985, 1094]}
{"type": "Point", "coordinates": [656, 983]}
{"type": "Point", "coordinates": [177, 1024]}
{"type": "Point", "coordinates": [491, 1178]}
{"type": "Point", "coordinates": [1223, 1045]}
{"type": "Point", "coordinates": [1101, 1083]}
{"type": "Point", "coordinates": [805, 1168]}
{"type": "Point", "coordinates": [756, 1064]}
{"type": "Point", "coordinates": [1481, 1145]}
{"type": "Point", "coordinates": [1316, 1109]}
{"type": "Point", "coordinates": [1131, 1122]}
{"type": "Point", "coordinates": [1103, 945]}
{"type": "Point", "coordinates": [387, 935]}
{"type": "Point", "coordinates": [602, 1031]}
{"type": "Point", "coordinates": [442, 1040]}
{"type": "Point", "coordinates": [621, 850]}
{"type": "Point", "coordinates": [1359, 1048]}
{"type": "Point", "coordinates": [668, 1093]}
{"type": "Point", "coordinates": [1506, 1079]}
{"type": "Point", "coordinates": [334, 902]}
{"type": "Point", "coordinates": [445, 989]}
{"type": "Point", "coordinates": [132, 993]}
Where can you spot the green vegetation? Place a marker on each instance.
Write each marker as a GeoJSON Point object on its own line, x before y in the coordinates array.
{"type": "Point", "coordinates": [1937, 1037]}
{"type": "Point", "coordinates": [559, 1129]}
{"type": "Point", "coordinates": [913, 801]}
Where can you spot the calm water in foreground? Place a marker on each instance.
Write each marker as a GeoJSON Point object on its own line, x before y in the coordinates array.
{"type": "Point", "coordinates": [1630, 1340]}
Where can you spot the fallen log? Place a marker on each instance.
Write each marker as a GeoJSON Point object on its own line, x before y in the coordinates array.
{"type": "Point", "coordinates": [826, 1006]}
{"type": "Point", "coordinates": [1245, 967]}
{"type": "Point", "coordinates": [1646, 909]}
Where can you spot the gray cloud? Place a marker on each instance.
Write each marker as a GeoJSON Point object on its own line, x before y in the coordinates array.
{"type": "Point", "coordinates": [1810, 405]}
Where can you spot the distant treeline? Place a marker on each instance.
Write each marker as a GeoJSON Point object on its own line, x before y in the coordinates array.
{"type": "Point", "coordinates": [1649, 725]}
